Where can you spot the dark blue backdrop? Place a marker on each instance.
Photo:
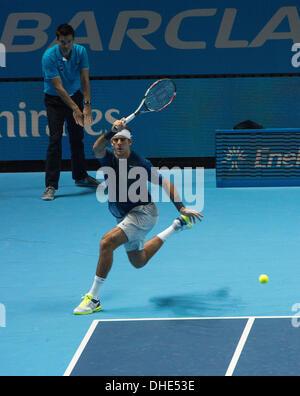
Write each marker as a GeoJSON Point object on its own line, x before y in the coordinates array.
{"type": "Point", "coordinates": [185, 129]}
{"type": "Point", "coordinates": [141, 38]}
{"type": "Point", "coordinates": [138, 37]}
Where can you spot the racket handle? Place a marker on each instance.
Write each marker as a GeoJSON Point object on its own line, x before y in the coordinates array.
{"type": "Point", "coordinates": [130, 118]}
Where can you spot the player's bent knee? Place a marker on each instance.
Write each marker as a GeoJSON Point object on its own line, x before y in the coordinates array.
{"type": "Point", "coordinates": [137, 259]}
{"type": "Point", "coordinates": [137, 264]}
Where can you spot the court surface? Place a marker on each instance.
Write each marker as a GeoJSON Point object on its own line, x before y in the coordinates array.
{"type": "Point", "coordinates": [189, 347]}
{"type": "Point", "coordinates": [206, 313]}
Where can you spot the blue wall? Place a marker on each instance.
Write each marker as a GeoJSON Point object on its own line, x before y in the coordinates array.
{"type": "Point", "coordinates": [186, 128]}
{"type": "Point", "coordinates": [141, 38]}
{"type": "Point", "coordinates": [138, 37]}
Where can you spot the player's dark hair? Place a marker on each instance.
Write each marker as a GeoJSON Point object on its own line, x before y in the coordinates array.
{"type": "Point", "coordinates": [127, 127]}
{"type": "Point", "coordinates": [248, 124]}
{"type": "Point", "coordinates": [64, 30]}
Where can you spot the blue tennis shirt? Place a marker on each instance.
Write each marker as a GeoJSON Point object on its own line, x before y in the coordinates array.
{"type": "Point", "coordinates": [55, 65]}
{"type": "Point", "coordinates": [125, 176]}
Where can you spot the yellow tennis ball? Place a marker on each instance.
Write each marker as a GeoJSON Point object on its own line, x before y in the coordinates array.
{"type": "Point", "coordinates": [263, 278]}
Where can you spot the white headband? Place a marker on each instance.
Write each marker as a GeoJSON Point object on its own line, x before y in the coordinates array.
{"type": "Point", "coordinates": [125, 133]}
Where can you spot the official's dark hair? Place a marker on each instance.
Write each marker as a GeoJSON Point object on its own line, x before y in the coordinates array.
{"type": "Point", "coordinates": [248, 124]}
{"type": "Point", "coordinates": [64, 30]}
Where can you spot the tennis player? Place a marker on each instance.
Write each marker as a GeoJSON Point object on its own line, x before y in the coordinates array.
{"type": "Point", "coordinates": [135, 219]}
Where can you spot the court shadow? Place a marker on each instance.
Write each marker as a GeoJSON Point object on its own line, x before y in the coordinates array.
{"type": "Point", "coordinates": [86, 191]}
{"type": "Point", "coordinates": [214, 303]}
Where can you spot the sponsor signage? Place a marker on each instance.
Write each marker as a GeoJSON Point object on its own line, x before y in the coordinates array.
{"type": "Point", "coordinates": [137, 37]}
{"type": "Point", "coordinates": [269, 157]}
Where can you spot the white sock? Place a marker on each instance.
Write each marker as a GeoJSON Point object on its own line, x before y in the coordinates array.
{"type": "Point", "coordinates": [164, 235]}
{"type": "Point", "coordinates": [98, 283]}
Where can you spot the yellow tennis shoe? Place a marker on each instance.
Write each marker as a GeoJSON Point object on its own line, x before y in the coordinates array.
{"type": "Point", "coordinates": [182, 223]}
{"type": "Point", "coordinates": [90, 304]}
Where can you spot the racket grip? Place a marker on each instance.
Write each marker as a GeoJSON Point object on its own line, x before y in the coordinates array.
{"type": "Point", "coordinates": [130, 118]}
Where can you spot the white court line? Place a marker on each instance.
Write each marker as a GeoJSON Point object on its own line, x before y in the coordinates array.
{"type": "Point", "coordinates": [197, 318]}
{"type": "Point", "coordinates": [95, 323]}
{"type": "Point", "coordinates": [81, 348]}
{"type": "Point", "coordinates": [239, 347]}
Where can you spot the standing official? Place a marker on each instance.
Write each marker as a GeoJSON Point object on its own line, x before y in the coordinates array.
{"type": "Point", "coordinates": [67, 99]}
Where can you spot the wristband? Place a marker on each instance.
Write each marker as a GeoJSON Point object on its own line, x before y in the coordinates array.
{"type": "Point", "coordinates": [178, 205]}
{"type": "Point", "coordinates": [109, 134]}
{"type": "Point", "coordinates": [88, 103]}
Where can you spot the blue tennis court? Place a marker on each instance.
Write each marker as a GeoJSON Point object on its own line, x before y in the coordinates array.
{"type": "Point", "coordinates": [200, 294]}
{"type": "Point", "coordinates": [189, 347]}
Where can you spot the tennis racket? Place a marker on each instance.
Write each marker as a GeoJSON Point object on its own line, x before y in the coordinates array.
{"type": "Point", "coordinates": [157, 97]}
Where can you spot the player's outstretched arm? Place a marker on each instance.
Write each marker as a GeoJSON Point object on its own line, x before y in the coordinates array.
{"type": "Point", "coordinates": [176, 199]}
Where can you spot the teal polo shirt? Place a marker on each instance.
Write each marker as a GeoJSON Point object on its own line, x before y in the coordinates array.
{"type": "Point", "coordinates": [55, 65]}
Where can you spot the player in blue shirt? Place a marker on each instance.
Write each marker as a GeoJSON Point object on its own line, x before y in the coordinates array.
{"type": "Point", "coordinates": [134, 210]}
{"type": "Point", "coordinates": [66, 71]}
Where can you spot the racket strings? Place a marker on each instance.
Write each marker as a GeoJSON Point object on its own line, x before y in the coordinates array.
{"type": "Point", "coordinates": [160, 95]}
